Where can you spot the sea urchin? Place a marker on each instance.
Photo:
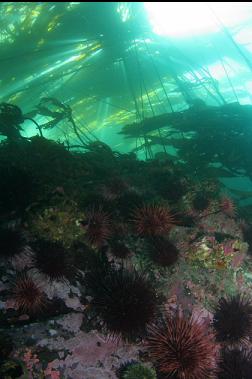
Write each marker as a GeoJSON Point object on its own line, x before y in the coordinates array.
{"type": "Point", "coordinates": [27, 295]}
{"type": "Point", "coordinates": [153, 220]}
{"type": "Point", "coordinates": [124, 300]}
{"type": "Point", "coordinates": [98, 226]}
{"type": "Point", "coordinates": [233, 320]}
{"type": "Point", "coordinates": [182, 348]}
{"type": "Point", "coordinates": [52, 260]}
{"type": "Point", "coordinates": [235, 364]}
{"type": "Point", "coordinates": [162, 251]}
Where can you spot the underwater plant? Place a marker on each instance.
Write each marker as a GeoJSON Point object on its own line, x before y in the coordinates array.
{"type": "Point", "coordinates": [233, 320]}
{"type": "Point", "coordinates": [138, 371]}
{"type": "Point", "coordinates": [10, 119]}
{"type": "Point", "coordinates": [53, 260]}
{"type": "Point", "coordinates": [124, 300]}
{"type": "Point", "coordinates": [162, 251]}
{"type": "Point", "coordinates": [58, 223]}
{"type": "Point", "coordinates": [182, 348]}
{"type": "Point", "coordinates": [97, 225]}
{"type": "Point", "coordinates": [27, 295]}
{"type": "Point", "coordinates": [12, 242]}
{"type": "Point", "coordinates": [235, 364]}
{"type": "Point", "coordinates": [153, 220]}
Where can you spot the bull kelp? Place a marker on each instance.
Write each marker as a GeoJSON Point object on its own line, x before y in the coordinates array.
{"type": "Point", "coordinates": [125, 190]}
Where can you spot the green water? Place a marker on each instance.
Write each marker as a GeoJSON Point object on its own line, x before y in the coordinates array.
{"type": "Point", "coordinates": [125, 190]}
{"type": "Point", "coordinates": [114, 64]}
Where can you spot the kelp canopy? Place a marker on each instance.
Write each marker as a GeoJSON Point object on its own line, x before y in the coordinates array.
{"type": "Point", "coordinates": [120, 73]}
{"type": "Point", "coordinates": [105, 61]}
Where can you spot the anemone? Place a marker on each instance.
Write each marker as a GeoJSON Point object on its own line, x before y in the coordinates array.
{"type": "Point", "coordinates": [182, 348]}
{"type": "Point", "coordinates": [228, 207]}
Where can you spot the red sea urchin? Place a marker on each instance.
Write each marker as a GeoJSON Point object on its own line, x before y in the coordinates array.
{"type": "Point", "coordinates": [27, 295]}
{"type": "Point", "coordinates": [153, 220]}
{"type": "Point", "coordinates": [114, 189]}
{"type": "Point", "coordinates": [98, 226]}
{"type": "Point", "coordinates": [182, 348]}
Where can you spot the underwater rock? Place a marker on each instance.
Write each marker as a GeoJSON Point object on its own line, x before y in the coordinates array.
{"type": "Point", "coordinates": [71, 322]}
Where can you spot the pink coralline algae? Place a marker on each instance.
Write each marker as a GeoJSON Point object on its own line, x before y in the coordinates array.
{"type": "Point", "coordinates": [51, 373]}
{"type": "Point", "coordinates": [31, 361]}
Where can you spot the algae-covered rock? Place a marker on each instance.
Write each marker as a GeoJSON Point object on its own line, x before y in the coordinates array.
{"type": "Point", "coordinates": [139, 371]}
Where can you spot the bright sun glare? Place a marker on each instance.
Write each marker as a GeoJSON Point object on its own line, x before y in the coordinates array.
{"type": "Point", "coordinates": [180, 19]}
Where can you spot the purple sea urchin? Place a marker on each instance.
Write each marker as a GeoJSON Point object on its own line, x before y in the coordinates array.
{"type": "Point", "coordinates": [162, 251]}
{"type": "Point", "coordinates": [119, 249]}
{"type": "Point", "coordinates": [233, 320]}
{"type": "Point", "coordinates": [124, 300]}
{"type": "Point", "coordinates": [235, 364]}
{"type": "Point", "coordinates": [52, 260]}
